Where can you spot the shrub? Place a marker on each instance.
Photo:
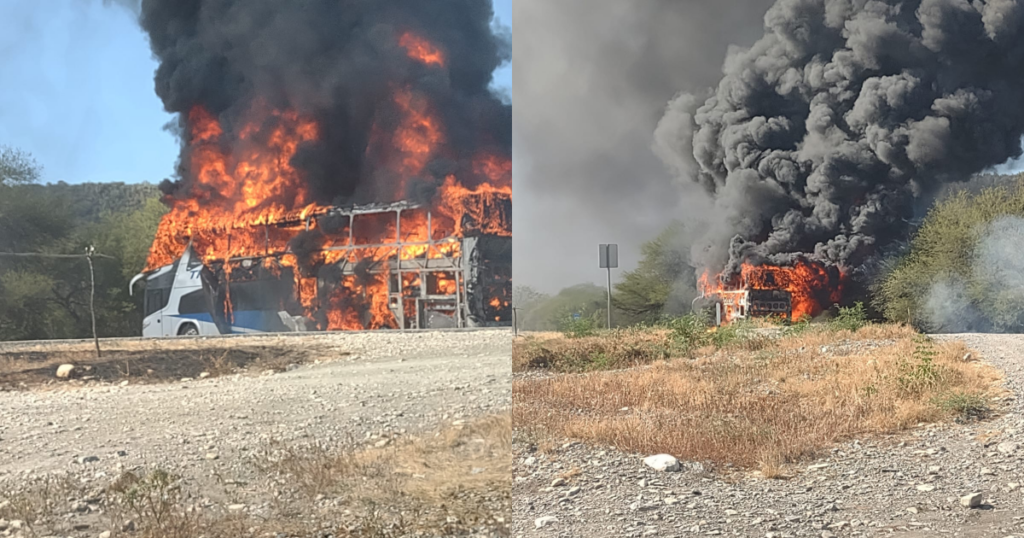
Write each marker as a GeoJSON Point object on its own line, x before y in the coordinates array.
{"type": "Point", "coordinates": [850, 318]}
{"type": "Point", "coordinates": [688, 332]}
{"type": "Point", "coordinates": [578, 327]}
{"type": "Point", "coordinates": [965, 406]}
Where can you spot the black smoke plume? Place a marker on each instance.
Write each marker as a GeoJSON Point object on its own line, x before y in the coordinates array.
{"type": "Point", "coordinates": [824, 138]}
{"type": "Point", "coordinates": [339, 62]}
{"type": "Point", "coordinates": [592, 78]}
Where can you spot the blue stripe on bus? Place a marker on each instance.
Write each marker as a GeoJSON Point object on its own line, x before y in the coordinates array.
{"type": "Point", "coordinates": [253, 320]}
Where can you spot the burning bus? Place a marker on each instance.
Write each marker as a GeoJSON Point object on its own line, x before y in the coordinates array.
{"type": "Point", "coordinates": [786, 293]}
{"type": "Point", "coordinates": [379, 266]}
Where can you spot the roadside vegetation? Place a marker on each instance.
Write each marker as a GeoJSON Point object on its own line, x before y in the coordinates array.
{"type": "Point", "coordinates": [751, 395]}
{"type": "Point", "coordinates": [452, 482]}
{"type": "Point", "coordinates": [46, 298]}
{"type": "Point", "coordinates": [964, 270]}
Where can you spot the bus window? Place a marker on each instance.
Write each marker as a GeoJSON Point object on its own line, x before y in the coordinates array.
{"type": "Point", "coordinates": [193, 303]}
{"type": "Point", "coordinates": [155, 300]}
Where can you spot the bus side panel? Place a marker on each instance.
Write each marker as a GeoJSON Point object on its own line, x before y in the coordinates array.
{"type": "Point", "coordinates": [202, 322]}
{"type": "Point", "coordinates": [152, 327]}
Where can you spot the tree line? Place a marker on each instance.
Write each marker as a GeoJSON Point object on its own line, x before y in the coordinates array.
{"type": "Point", "coordinates": [46, 298]}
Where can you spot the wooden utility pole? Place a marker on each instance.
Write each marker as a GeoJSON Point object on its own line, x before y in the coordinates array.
{"type": "Point", "coordinates": [89, 253]}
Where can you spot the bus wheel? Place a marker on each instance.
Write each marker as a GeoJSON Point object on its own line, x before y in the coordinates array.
{"type": "Point", "coordinates": [188, 329]}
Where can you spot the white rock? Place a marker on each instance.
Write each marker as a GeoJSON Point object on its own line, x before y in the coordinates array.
{"type": "Point", "coordinates": [971, 501]}
{"type": "Point", "coordinates": [236, 507]}
{"type": "Point", "coordinates": [1007, 447]}
{"type": "Point", "coordinates": [662, 462]}
{"type": "Point", "coordinates": [65, 371]}
{"type": "Point", "coordinates": [542, 522]}
{"type": "Point", "coordinates": [558, 482]}
{"type": "Point", "coordinates": [925, 487]}
{"type": "Point", "coordinates": [530, 461]}
{"type": "Point", "coordinates": [204, 375]}
{"type": "Point", "coordinates": [104, 534]}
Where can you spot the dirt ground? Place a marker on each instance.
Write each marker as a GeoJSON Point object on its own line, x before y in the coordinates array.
{"type": "Point", "coordinates": [316, 397]}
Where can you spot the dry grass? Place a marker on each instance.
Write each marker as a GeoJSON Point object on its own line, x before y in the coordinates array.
{"type": "Point", "coordinates": [453, 482]}
{"type": "Point", "coordinates": [450, 483]}
{"type": "Point", "coordinates": [621, 348]}
{"type": "Point", "coordinates": [763, 403]}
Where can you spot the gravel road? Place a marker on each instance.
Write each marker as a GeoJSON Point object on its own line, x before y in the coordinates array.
{"type": "Point", "coordinates": [391, 384]}
{"type": "Point", "coordinates": [907, 486]}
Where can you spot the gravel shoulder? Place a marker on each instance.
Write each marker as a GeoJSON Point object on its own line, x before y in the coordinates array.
{"type": "Point", "coordinates": [910, 485]}
{"type": "Point", "coordinates": [367, 387]}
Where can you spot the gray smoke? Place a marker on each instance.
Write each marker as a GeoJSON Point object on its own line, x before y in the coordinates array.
{"type": "Point", "coordinates": [948, 309]}
{"type": "Point", "coordinates": [339, 62]}
{"type": "Point", "coordinates": [592, 79]}
{"type": "Point", "coordinates": [992, 298]}
{"type": "Point", "coordinates": [823, 138]}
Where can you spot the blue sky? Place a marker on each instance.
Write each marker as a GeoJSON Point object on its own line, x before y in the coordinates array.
{"type": "Point", "coordinates": [77, 91]}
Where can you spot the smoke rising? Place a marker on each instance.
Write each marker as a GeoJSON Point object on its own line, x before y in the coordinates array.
{"type": "Point", "coordinates": [592, 79]}
{"type": "Point", "coordinates": [824, 136]}
{"type": "Point", "coordinates": [992, 299]}
{"type": "Point", "coordinates": [341, 63]}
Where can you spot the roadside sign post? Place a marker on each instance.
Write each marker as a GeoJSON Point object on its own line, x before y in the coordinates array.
{"type": "Point", "coordinates": [609, 258]}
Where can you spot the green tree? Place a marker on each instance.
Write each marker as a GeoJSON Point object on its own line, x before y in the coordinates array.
{"type": "Point", "coordinates": [17, 167]}
{"type": "Point", "coordinates": [663, 283]}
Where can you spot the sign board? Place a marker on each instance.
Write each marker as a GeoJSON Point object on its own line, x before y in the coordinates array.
{"type": "Point", "coordinates": [609, 256]}
{"type": "Point", "coordinates": [576, 316]}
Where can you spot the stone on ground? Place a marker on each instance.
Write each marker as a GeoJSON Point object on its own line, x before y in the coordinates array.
{"type": "Point", "coordinates": [662, 462]}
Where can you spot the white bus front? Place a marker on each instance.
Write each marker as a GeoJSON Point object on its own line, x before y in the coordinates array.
{"type": "Point", "coordinates": [175, 303]}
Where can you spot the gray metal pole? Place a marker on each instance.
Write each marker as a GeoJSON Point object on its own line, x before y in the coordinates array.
{"type": "Point", "coordinates": [609, 298]}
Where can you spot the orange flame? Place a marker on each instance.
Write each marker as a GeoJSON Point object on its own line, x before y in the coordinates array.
{"type": "Point", "coordinates": [420, 49]}
{"type": "Point", "coordinates": [812, 286]}
{"type": "Point", "coordinates": [245, 200]}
